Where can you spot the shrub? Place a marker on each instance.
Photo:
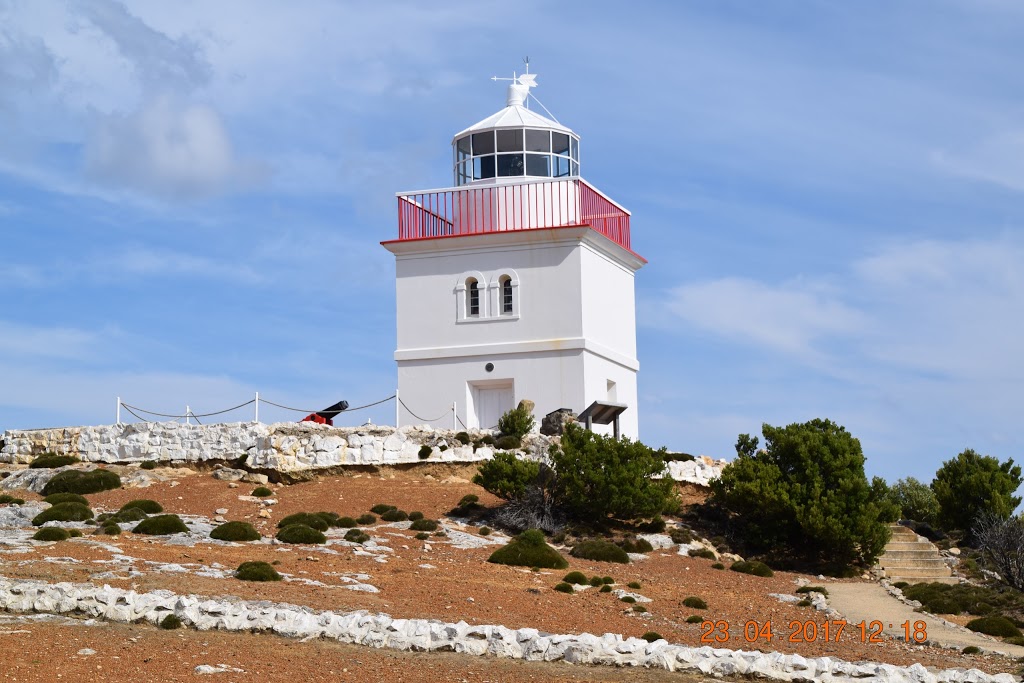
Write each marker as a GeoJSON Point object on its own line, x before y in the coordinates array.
{"type": "Point", "coordinates": [628, 598]}
{"type": "Point", "coordinates": [508, 443]}
{"type": "Point", "coordinates": [366, 520]}
{"type": "Point", "coordinates": [485, 531]}
{"type": "Point", "coordinates": [901, 584]}
{"type": "Point", "coordinates": [506, 476]}
{"type": "Point", "coordinates": [655, 526]}
{"type": "Point", "coordinates": [639, 609]}
{"type": "Point", "coordinates": [695, 602]}
{"type": "Point", "coordinates": [74, 533]}
{"type": "Point", "coordinates": [678, 457]}
{"type": "Point", "coordinates": [468, 500]}
{"type": "Point", "coordinates": [600, 477]}
{"type": "Point", "coordinates": [330, 518]}
{"type": "Point", "coordinates": [804, 494]}
{"type": "Point", "coordinates": [605, 589]}
{"type": "Point", "coordinates": [235, 531]}
{"type": "Point", "coordinates": [694, 619]}
{"type": "Point", "coordinates": [704, 553]}
{"type": "Point", "coordinates": [300, 533]}
{"type": "Point", "coordinates": [463, 438]}
{"type": "Point", "coordinates": [422, 536]}
{"type": "Point", "coordinates": [998, 626]}
{"type": "Point", "coordinates": [424, 525]}
{"type": "Point", "coordinates": [600, 551]}
{"type": "Point", "coordinates": [652, 636]}
{"type": "Point", "coordinates": [394, 516]}
{"type": "Point", "coordinates": [63, 512]}
{"type": "Point", "coordinates": [425, 452]}
{"type": "Point", "coordinates": [170, 622]}
{"type": "Point", "coordinates": [971, 650]}
{"type": "Point", "coordinates": [680, 535]}
{"type": "Point", "coordinates": [126, 515]}
{"type": "Point", "coordinates": [972, 484]}
{"type": "Point", "coordinates": [414, 515]}
{"type": "Point", "coordinates": [261, 492]}
{"type": "Point", "coordinates": [56, 498]}
{"type": "Point", "coordinates": [1014, 640]}
{"type": "Point", "coordinates": [51, 533]}
{"type": "Point", "coordinates": [804, 603]}
{"type": "Point", "coordinates": [487, 440]}
{"type": "Point", "coordinates": [753, 567]}
{"type": "Point", "coordinates": [1002, 542]}
{"type": "Point", "coordinates": [915, 500]}
{"type": "Point", "coordinates": [76, 481]}
{"type": "Point", "coordinates": [812, 589]}
{"type": "Point", "coordinates": [347, 522]}
{"type": "Point", "coordinates": [718, 565]}
{"type": "Point", "coordinates": [607, 580]}
{"type": "Point", "coordinates": [517, 423]}
{"type": "Point", "coordinates": [309, 519]}
{"type": "Point", "coordinates": [7, 499]}
{"type": "Point", "coordinates": [635, 585]}
{"type": "Point", "coordinates": [635, 545]}
{"type": "Point", "coordinates": [381, 508]}
{"type": "Point", "coordinates": [939, 598]}
{"type": "Point", "coordinates": [108, 530]}
{"type": "Point", "coordinates": [529, 549]}
{"type": "Point", "coordinates": [150, 507]}
{"type": "Point", "coordinates": [52, 460]}
{"type": "Point", "coordinates": [161, 525]}
{"type": "Point", "coordinates": [564, 587]}
{"type": "Point", "coordinates": [356, 536]}
{"type": "Point", "coordinates": [256, 571]}
{"type": "Point", "coordinates": [578, 578]}
{"type": "Point", "coordinates": [596, 581]}
{"type": "Point", "coordinates": [148, 465]}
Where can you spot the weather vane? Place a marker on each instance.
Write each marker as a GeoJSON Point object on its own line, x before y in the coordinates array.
{"type": "Point", "coordinates": [520, 86]}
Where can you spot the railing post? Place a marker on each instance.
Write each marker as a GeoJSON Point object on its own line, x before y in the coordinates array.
{"type": "Point", "coordinates": [118, 422]}
{"type": "Point", "coordinates": [257, 416]}
{"type": "Point", "coordinates": [455, 417]}
{"type": "Point", "coordinates": [187, 411]}
{"type": "Point", "coordinates": [398, 407]}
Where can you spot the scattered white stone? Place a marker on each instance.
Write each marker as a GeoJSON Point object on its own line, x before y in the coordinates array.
{"type": "Point", "coordinates": [619, 593]}
{"type": "Point", "coordinates": [221, 511]}
{"type": "Point", "coordinates": [86, 652]}
{"type": "Point", "coordinates": [219, 669]}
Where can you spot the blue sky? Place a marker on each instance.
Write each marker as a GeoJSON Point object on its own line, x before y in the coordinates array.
{"type": "Point", "coordinates": [192, 196]}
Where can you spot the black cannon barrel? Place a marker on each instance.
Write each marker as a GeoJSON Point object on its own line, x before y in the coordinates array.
{"type": "Point", "coordinates": [332, 412]}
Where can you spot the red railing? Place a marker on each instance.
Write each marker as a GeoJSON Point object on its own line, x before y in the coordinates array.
{"type": "Point", "coordinates": [515, 206]}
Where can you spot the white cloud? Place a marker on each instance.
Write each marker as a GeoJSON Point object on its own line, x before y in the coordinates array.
{"type": "Point", "coordinates": [20, 340]}
{"type": "Point", "coordinates": [997, 159]}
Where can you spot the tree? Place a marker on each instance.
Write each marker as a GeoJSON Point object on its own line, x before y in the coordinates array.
{"type": "Point", "coordinates": [1002, 542]}
{"type": "Point", "coordinates": [805, 495]}
{"type": "Point", "coordinates": [915, 500]}
{"type": "Point", "coordinates": [971, 485]}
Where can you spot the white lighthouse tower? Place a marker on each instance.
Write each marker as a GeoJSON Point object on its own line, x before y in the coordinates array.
{"type": "Point", "coordinates": [516, 283]}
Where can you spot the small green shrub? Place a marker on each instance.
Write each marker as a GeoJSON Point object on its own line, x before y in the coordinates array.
{"type": "Point", "coordinates": [652, 636]}
{"type": "Point", "coordinates": [517, 422]}
{"type": "Point", "coordinates": [605, 589]}
{"type": "Point", "coordinates": [468, 500]}
{"type": "Point", "coordinates": [414, 515]}
{"type": "Point", "coordinates": [347, 522]}
{"type": "Point", "coordinates": [63, 512]}
{"type": "Point", "coordinates": [487, 440]}
{"type": "Point", "coordinates": [425, 452]}
{"type": "Point", "coordinates": [639, 609]}
{"type": "Point", "coordinates": [256, 571]}
{"type": "Point", "coordinates": [424, 525]}
{"type": "Point", "coordinates": [366, 520]}
{"type": "Point", "coordinates": [694, 619]}
{"type": "Point", "coordinates": [443, 447]}
{"type": "Point", "coordinates": [607, 580]}
{"type": "Point", "coordinates": [678, 457]}
{"type": "Point", "coordinates": [108, 530]}
{"type": "Point", "coordinates": [1014, 640]}
{"type": "Point", "coordinates": [998, 626]}
{"type": "Point", "coordinates": [381, 508]}
{"type": "Point", "coordinates": [356, 536]}
{"type": "Point", "coordinates": [596, 581]}
{"type": "Point", "coordinates": [485, 531]}
{"type": "Point", "coordinates": [148, 465]}
{"type": "Point", "coordinates": [680, 535]}
{"type": "Point", "coordinates": [637, 545]}
{"type": "Point", "coordinates": [971, 650]}
{"type": "Point", "coordinates": [422, 536]}
{"type": "Point", "coordinates": [753, 567]}
{"type": "Point", "coordinates": [394, 516]}
{"type": "Point", "coordinates": [56, 498]}
{"type": "Point", "coordinates": [718, 565]}
{"type": "Point", "coordinates": [564, 587]}
{"type": "Point", "coordinates": [300, 533]}
{"type": "Point", "coordinates": [901, 584]}
{"type": "Point", "coordinates": [804, 603]}
{"type": "Point", "coordinates": [507, 476]}
{"type": "Point", "coordinates": [655, 526]}
{"type": "Point", "coordinates": [7, 499]}
{"type": "Point", "coordinates": [600, 551]}
{"type": "Point", "coordinates": [695, 603]}
{"type": "Point", "coordinates": [635, 585]}
{"type": "Point", "coordinates": [529, 549]}
{"type": "Point", "coordinates": [235, 531]}
{"type": "Point", "coordinates": [628, 598]}
{"type": "Point", "coordinates": [261, 492]}
{"type": "Point", "coordinates": [306, 519]}
{"type": "Point", "coordinates": [170, 622]}
{"type": "Point", "coordinates": [578, 578]}
{"type": "Point", "coordinates": [508, 442]}
{"type": "Point", "coordinates": [813, 589]}
{"type": "Point", "coordinates": [51, 533]}
{"type": "Point", "coordinates": [74, 533]}
{"type": "Point", "coordinates": [463, 438]}
{"type": "Point", "coordinates": [161, 525]}
{"type": "Point", "coordinates": [52, 460]}
{"type": "Point", "coordinates": [77, 481]}
{"type": "Point", "coordinates": [126, 515]}
{"type": "Point", "coordinates": [331, 518]}
{"type": "Point", "coordinates": [150, 507]}
{"type": "Point", "coordinates": [703, 553]}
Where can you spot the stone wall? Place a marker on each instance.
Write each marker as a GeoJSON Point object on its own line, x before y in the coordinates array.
{"type": "Point", "coordinates": [286, 447]}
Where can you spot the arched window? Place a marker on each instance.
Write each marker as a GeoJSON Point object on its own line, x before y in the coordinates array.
{"type": "Point", "coordinates": [472, 298]}
{"type": "Point", "coordinates": [506, 294]}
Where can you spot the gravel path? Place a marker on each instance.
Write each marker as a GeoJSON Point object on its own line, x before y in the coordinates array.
{"type": "Point", "coordinates": [870, 602]}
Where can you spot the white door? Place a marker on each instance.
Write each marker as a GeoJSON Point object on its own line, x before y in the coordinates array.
{"type": "Point", "coordinates": [492, 403]}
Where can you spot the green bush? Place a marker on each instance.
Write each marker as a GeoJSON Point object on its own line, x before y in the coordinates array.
{"type": "Point", "coordinates": [812, 589]}
{"type": "Point", "coordinates": [718, 565]}
{"type": "Point", "coordinates": [330, 518]}
{"type": "Point", "coordinates": [313, 521]}
{"type": "Point", "coordinates": [77, 481]}
{"type": "Point", "coordinates": [261, 492]}
{"type": "Point", "coordinates": [998, 626]}
{"type": "Point", "coordinates": [600, 477]}
{"type": "Point", "coordinates": [694, 619]}
{"type": "Point", "coordinates": [639, 609]}
{"type": "Point", "coordinates": [529, 549]}
{"type": "Point", "coordinates": [425, 452]}
{"type": "Point", "coordinates": [607, 580]}
{"type": "Point", "coordinates": [381, 508]}
{"type": "Point", "coordinates": [356, 536]}
{"type": "Point", "coordinates": [605, 589]}
{"type": "Point", "coordinates": [1014, 640]}
{"type": "Point", "coordinates": [564, 588]}
{"type": "Point", "coordinates": [126, 515]}
{"type": "Point", "coordinates": [300, 533]}
{"type": "Point", "coordinates": [170, 622]}
{"type": "Point", "coordinates": [63, 512]}
{"type": "Point", "coordinates": [256, 571]}
{"type": "Point", "coordinates": [804, 603]}
{"type": "Point", "coordinates": [366, 519]}
{"type": "Point", "coordinates": [680, 535]}
{"type": "Point", "coordinates": [939, 598]}
{"type": "Point", "coordinates": [596, 581]}
{"type": "Point", "coordinates": [804, 494]}
{"type": "Point", "coordinates": [348, 522]}
{"type": "Point", "coordinates": [235, 531]}
{"type": "Point", "coordinates": [150, 507]}
{"type": "Point", "coordinates": [52, 533]}
{"type": "Point", "coordinates": [652, 636]}
{"type": "Point", "coordinates": [635, 585]}
{"type": "Point", "coordinates": [971, 485]}
{"type": "Point", "coordinates": [414, 515]}
{"type": "Point", "coordinates": [578, 578]}
{"type": "Point", "coordinates": [394, 516]}
{"type": "Point", "coordinates": [56, 498]}
{"type": "Point", "coordinates": [74, 533]}
{"type": "Point", "coordinates": [508, 443]}
{"type": "Point", "coordinates": [422, 536]}
{"type": "Point", "coordinates": [971, 650]}
{"type": "Point", "coordinates": [108, 530]}
{"type": "Point", "coordinates": [463, 438]}
{"type": "Point", "coordinates": [600, 551]}
{"type": "Point", "coordinates": [424, 525]}
{"type": "Point", "coordinates": [161, 525]}
{"type": "Point", "coordinates": [7, 499]}
{"type": "Point", "coordinates": [468, 500]}
{"type": "Point", "coordinates": [628, 599]}
{"type": "Point", "coordinates": [506, 476]}
{"type": "Point", "coordinates": [52, 460]}
{"type": "Point", "coordinates": [703, 553]}
{"type": "Point", "coordinates": [487, 440]}
{"type": "Point", "coordinates": [485, 531]}
{"type": "Point", "coordinates": [753, 567]}
{"type": "Point", "coordinates": [655, 526]}
{"type": "Point", "coordinates": [901, 584]}
{"type": "Point", "coordinates": [148, 465]}
{"type": "Point", "coordinates": [694, 602]}
{"type": "Point", "coordinates": [915, 500]}
{"type": "Point", "coordinates": [635, 545]}
{"type": "Point", "coordinates": [517, 423]}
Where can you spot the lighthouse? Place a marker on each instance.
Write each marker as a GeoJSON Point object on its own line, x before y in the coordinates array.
{"type": "Point", "coordinates": [517, 282]}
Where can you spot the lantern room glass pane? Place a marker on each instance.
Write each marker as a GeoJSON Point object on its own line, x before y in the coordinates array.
{"type": "Point", "coordinates": [560, 143]}
{"type": "Point", "coordinates": [510, 140]}
{"type": "Point", "coordinates": [463, 173]}
{"type": "Point", "coordinates": [483, 143]}
{"type": "Point", "coordinates": [575, 168]}
{"type": "Point", "coordinates": [538, 140]}
{"type": "Point", "coordinates": [462, 148]}
{"type": "Point", "coordinates": [561, 167]}
{"type": "Point", "coordinates": [575, 144]}
{"type": "Point", "coordinates": [483, 167]}
{"type": "Point", "coordinates": [538, 165]}
{"type": "Point", "coordinates": [510, 164]}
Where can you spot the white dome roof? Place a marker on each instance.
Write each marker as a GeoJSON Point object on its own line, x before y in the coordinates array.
{"type": "Point", "coordinates": [515, 116]}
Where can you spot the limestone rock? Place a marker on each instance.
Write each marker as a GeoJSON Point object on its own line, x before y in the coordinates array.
{"type": "Point", "coordinates": [554, 422]}
{"type": "Point", "coordinates": [526, 405]}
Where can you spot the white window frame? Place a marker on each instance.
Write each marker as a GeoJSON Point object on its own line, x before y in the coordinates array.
{"type": "Point", "coordinates": [462, 298]}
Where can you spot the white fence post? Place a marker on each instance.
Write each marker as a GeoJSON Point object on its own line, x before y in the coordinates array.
{"type": "Point", "coordinates": [398, 408]}
{"type": "Point", "coordinates": [455, 416]}
{"type": "Point", "coordinates": [257, 418]}
{"type": "Point", "coordinates": [187, 411]}
{"type": "Point", "coordinates": [118, 411]}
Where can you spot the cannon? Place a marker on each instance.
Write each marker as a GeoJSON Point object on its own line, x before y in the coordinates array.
{"type": "Point", "coordinates": [327, 415]}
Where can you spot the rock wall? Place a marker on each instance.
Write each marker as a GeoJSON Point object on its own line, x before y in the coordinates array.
{"type": "Point", "coordinates": [286, 447]}
{"type": "Point", "coordinates": [380, 630]}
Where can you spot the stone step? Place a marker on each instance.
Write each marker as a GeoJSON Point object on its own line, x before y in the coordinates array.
{"type": "Point", "coordinates": [910, 563]}
{"type": "Point", "coordinates": [918, 545]}
{"type": "Point", "coordinates": [923, 554]}
{"type": "Point", "coordinates": [951, 580]}
{"type": "Point", "coordinates": [920, 574]}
